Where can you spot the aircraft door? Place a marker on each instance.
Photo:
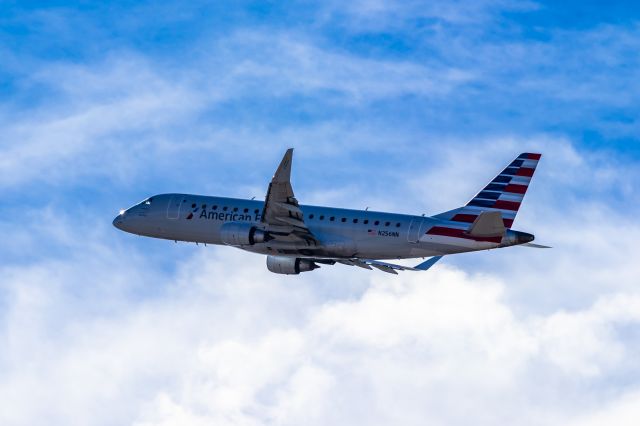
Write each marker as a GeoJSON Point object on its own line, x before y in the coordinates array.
{"type": "Point", "coordinates": [173, 209]}
{"type": "Point", "coordinates": [413, 235]}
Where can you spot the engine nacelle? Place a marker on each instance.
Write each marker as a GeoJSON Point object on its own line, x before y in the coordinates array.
{"type": "Point", "coordinates": [289, 265]}
{"type": "Point", "coordinates": [242, 234]}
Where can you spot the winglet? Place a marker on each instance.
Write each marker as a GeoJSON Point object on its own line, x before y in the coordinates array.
{"type": "Point", "coordinates": [283, 173]}
{"type": "Point", "coordinates": [427, 264]}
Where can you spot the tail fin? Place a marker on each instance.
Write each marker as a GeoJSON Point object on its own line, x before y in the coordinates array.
{"type": "Point", "coordinates": [503, 194]}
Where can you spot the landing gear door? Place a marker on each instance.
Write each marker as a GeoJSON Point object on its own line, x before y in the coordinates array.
{"type": "Point", "coordinates": [173, 209]}
{"type": "Point", "coordinates": [413, 234]}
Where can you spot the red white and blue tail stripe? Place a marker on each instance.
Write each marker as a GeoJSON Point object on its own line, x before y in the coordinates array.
{"type": "Point", "coordinates": [504, 193]}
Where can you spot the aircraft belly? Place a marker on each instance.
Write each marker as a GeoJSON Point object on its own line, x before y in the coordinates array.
{"type": "Point", "coordinates": [427, 246]}
{"type": "Point", "coordinates": [450, 245]}
{"type": "Point", "coordinates": [376, 249]}
{"type": "Point", "coordinates": [181, 230]}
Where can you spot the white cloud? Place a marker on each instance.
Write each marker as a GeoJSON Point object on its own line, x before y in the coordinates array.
{"type": "Point", "coordinates": [623, 411]}
{"type": "Point", "coordinates": [225, 342]}
{"type": "Point", "coordinates": [100, 111]}
{"type": "Point", "coordinates": [370, 15]}
{"type": "Point", "coordinates": [294, 65]}
{"type": "Point", "coordinates": [113, 116]}
{"type": "Point", "coordinates": [97, 331]}
{"type": "Point", "coordinates": [578, 202]}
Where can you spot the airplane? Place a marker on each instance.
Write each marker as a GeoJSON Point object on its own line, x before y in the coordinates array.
{"type": "Point", "coordinates": [299, 238]}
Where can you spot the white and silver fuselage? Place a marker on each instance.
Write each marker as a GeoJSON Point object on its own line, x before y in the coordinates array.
{"type": "Point", "coordinates": [340, 232]}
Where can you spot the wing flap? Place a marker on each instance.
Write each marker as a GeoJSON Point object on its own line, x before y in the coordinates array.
{"type": "Point", "coordinates": [291, 221]}
{"type": "Point", "coordinates": [290, 207]}
{"type": "Point", "coordinates": [385, 268]}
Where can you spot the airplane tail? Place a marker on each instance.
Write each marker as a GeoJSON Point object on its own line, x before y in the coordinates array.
{"type": "Point", "coordinates": [503, 194]}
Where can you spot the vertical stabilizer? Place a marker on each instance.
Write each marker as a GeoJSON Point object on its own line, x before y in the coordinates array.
{"type": "Point", "coordinates": [503, 194]}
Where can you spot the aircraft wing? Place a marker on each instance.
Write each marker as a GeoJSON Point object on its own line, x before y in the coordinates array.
{"type": "Point", "coordinates": [281, 215]}
{"type": "Point", "coordinates": [390, 268]}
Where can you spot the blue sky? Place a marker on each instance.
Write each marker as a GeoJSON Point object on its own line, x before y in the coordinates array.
{"type": "Point", "coordinates": [406, 107]}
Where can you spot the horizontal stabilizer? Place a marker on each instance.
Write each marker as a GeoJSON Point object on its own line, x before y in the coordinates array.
{"type": "Point", "coordinates": [427, 264]}
{"type": "Point", "coordinates": [488, 224]}
{"type": "Point", "coordinates": [533, 245]}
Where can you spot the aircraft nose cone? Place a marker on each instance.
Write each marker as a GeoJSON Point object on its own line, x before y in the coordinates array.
{"type": "Point", "coordinates": [118, 221]}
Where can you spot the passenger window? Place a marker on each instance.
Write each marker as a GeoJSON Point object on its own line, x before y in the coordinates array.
{"type": "Point", "coordinates": [246, 210]}
{"type": "Point", "coordinates": [321, 217]}
{"type": "Point", "coordinates": [332, 218]}
{"type": "Point", "coordinates": [398, 225]}
{"type": "Point", "coordinates": [355, 220]}
{"type": "Point", "coordinates": [256, 211]}
{"type": "Point", "coordinates": [366, 221]}
{"type": "Point", "coordinates": [193, 206]}
{"type": "Point", "coordinates": [204, 207]}
{"type": "Point", "coordinates": [344, 219]}
{"type": "Point", "coordinates": [311, 216]}
{"type": "Point", "coordinates": [387, 223]}
{"type": "Point", "coordinates": [377, 222]}
{"type": "Point", "coordinates": [225, 208]}
{"type": "Point", "coordinates": [215, 207]}
{"type": "Point", "coordinates": [235, 209]}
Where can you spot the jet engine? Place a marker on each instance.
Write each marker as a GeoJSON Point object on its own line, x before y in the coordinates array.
{"type": "Point", "coordinates": [242, 234]}
{"type": "Point", "coordinates": [289, 265]}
